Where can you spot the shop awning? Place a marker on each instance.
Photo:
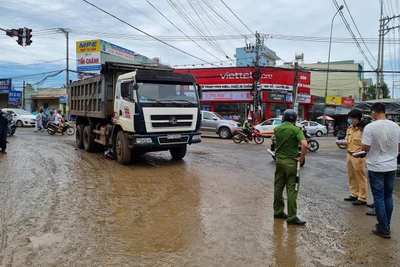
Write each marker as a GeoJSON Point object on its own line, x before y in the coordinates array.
{"type": "Point", "coordinates": [392, 105]}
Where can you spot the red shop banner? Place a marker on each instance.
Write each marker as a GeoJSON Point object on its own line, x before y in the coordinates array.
{"type": "Point", "coordinates": [347, 102]}
{"type": "Point", "coordinates": [238, 78]}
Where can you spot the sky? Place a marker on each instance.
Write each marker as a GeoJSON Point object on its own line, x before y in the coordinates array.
{"type": "Point", "coordinates": [231, 22]}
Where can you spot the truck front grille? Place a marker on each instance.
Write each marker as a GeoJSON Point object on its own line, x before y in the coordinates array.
{"type": "Point", "coordinates": [167, 124]}
{"type": "Point", "coordinates": [165, 141]}
{"type": "Point", "coordinates": [168, 117]}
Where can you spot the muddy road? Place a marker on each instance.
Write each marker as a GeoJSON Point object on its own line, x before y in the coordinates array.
{"type": "Point", "coordinates": [214, 208]}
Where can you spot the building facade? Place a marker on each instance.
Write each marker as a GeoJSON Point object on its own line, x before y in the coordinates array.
{"type": "Point", "coordinates": [227, 91]}
{"type": "Point", "coordinates": [246, 56]}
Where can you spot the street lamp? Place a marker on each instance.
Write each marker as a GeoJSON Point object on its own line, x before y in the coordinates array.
{"type": "Point", "coordinates": [329, 59]}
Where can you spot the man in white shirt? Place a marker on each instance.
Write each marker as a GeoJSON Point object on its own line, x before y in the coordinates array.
{"type": "Point", "coordinates": [381, 139]}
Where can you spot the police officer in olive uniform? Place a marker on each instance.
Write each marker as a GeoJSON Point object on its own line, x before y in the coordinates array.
{"type": "Point", "coordinates": [288, 136]}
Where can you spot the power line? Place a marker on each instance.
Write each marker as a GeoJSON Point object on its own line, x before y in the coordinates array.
{"type": "Point", "coordinates": [236, 16]}
{"type": "Point", "coordinates": [351, 16]}
{"type": "Point", "coordinates": [181, 30]}
{"type": "Point", "coordinates": [139, 30]}
{"type": "Point", "coordinates": [34, 74]}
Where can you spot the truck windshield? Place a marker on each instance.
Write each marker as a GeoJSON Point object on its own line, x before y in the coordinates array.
{"type": "Point", "coordinates": [156, 94]}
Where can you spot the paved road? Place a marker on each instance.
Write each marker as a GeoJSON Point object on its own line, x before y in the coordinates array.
{"type": "Point", "coordinates": [214, 208]}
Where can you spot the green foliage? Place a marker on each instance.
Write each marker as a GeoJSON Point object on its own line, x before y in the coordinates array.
{"type": "Point", "coordinates": [371, 92]}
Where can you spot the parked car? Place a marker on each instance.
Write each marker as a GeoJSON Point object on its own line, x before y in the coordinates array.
{"type": "Point", "coordinates": [313, 128]}
{"type": "Point", "coordinates": [215, 123]}
{"type": "Point", "coordinates": [266, 128]}
{"type": "Point", "coordinates": [21, 117]}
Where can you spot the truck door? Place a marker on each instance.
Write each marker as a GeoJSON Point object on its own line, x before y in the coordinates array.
{"type": "Point", "coordinates": [124, 106]}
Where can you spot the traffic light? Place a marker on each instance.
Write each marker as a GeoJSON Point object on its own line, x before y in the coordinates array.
{"type": "Point", "coordinates": [28, 36]}
{"type": "Point", "coordinates": [247, 106]}
{"type": "Point", "coordinates": [20, 40]}
{"type": "Point", "coordinates": [12, 32]}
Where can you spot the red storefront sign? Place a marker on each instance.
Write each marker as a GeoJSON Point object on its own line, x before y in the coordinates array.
{"type": "Point", "coordinates": [347, 102]}
{"type": "Point", "coordinates": [237, 78]}
{"type": "Point", "coordinates": [227, 96]}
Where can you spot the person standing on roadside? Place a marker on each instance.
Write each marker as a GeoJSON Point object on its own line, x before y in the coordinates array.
{"type": "Point", "coordinates": [356, 165]}
{"type": "Point", "coordinates": [381, 139]}
{"type": "Point", "coordinates": [288, 137]}
{"type": "Point", "coordinates": [3, 133]}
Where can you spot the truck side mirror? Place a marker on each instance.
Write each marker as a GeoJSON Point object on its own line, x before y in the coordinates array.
{"type": "Point", "coordinates": [200, 90]}
{"type": "Point", "coordinates": [135, 86]}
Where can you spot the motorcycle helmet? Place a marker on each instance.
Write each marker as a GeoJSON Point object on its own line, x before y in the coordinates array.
{"type": "Point", "coordinates": [290, 115]}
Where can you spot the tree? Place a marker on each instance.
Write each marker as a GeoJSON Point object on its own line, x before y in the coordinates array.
{"type": "Point", "coordinates": [371, 92]}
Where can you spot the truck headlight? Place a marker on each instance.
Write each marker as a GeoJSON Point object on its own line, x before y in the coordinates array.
{"type": "Point", "coordinates": [144, 140]}
{"type": "Point", "coordinates": [196, 137]}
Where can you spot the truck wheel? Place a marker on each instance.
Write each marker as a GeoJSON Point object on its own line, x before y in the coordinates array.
{"type": "Point", "coordinates": [178, 153]}
{"type": "Point", "coordinates": [122, 149]}
{"type": "Point", "coordinates": [224, 133]}
{"type": "Point", "coordinates": [79, 136]}
{"type": "Point", "coordinates": [88, 139]}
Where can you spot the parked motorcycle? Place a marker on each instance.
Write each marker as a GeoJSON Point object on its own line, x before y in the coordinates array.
{"type": "Point", "coordinates": [239, 136]}
{"type": "Point", "coordinates": [272, 149]}
{"type": "Point", "coordinates": [66, 128]}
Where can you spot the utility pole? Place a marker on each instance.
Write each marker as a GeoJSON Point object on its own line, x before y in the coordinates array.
{"type": "Point", "coordinates": [378, 69]}
{"type": "Point", "coordinates": [383, 30]}
{"type": "Point", "coordinates": [256, 79]}
{"type": "Point", "coordinates": [66, 33]}
{"type": "Point", "coordinates": [295, 86]}
{"type": "Point", "coordinates": [23, 95]}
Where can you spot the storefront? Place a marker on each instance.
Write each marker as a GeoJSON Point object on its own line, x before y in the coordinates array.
{"type": "Point", "coordinates": [228, 91]}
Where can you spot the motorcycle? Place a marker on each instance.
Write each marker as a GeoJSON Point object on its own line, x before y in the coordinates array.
{"type": "Point", "coordinates": [313, 145]}
{"type": "Point", "coordinates": [272, 149]}
{"type": "Point", "coordinates": [11, 128]}
{"type": "Point", "coordinates": [341, 136]}
{"type": "Point", "coordinates": [239, 136]}
{"type": "Point", "coordinates": [45, 122]}
{"type": "Point", "coordinates": [66, 128]}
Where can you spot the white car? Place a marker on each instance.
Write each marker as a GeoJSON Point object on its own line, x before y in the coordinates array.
{"type": "Point", "coordinates": [21, 117]}
{"type": "Point", "coordinates": [267, 127]}
{"type": "Point", "coordinates": [313, 128]}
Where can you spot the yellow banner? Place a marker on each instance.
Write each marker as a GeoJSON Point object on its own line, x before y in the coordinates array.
{"type": "Point", "coordinates": [334, 100]}
{"type": "Point", "coordinates": [87, 46]}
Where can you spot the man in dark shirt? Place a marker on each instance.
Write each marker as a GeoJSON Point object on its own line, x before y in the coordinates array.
{"type": "Point", "coordinates": [3, 133]}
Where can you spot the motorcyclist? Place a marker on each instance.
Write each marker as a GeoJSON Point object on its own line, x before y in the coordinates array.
{"type": "Point", "coordinates": [248, 127]}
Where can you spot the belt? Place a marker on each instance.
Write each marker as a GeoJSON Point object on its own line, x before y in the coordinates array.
{"type": "Point", "coordinates": [351, 154]}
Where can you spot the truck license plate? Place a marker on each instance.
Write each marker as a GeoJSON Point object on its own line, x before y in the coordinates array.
{"type": "Point", "coordinates": [173, 136]}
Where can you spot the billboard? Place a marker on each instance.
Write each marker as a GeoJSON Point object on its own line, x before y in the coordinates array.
{"type": "Point", "coordinates": [15, 98]}
{"type": "Point", "coordinates": [116, 50]}
{"type": "Point", "coordinates": [87, 46]}
{"type": "Point", "coordinates": [339, 101]}
{"type": "Point", "coordinates": [238, 78]}
{"type": "Point", "coordinates": [5, 85]}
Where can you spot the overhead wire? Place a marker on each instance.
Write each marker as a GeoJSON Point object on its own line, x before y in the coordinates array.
{"type": "Point", "coordinates": [139, 30]}
{"type": "Point", "coordinates": [173, 24]}
{"type": "Point", "coordinates": [352, 35]}
{"type": "Point", "coordinates": [355, 25]}
{"type": "Point", "coordinates": [237, 17]}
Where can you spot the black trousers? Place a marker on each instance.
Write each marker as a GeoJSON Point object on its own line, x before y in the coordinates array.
{"type": "Point", "coordinates": [3, 139]}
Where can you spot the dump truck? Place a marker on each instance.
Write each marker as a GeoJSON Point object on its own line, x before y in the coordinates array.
{"type": "Point", "coordinates": [129, 110]}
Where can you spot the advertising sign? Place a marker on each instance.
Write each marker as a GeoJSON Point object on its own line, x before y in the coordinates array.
{"type": "Point", "coordinates": [227, 96]}
{"type": "Point", "coordinates": [238, 78]}
{"type": "Point", "coordinates": [5, 85]}
{"type": "Point", "coordinates": [303, 98]}
{"type": "Point", "coordinates": [276, 97]}
{"type": "Point", "coordinates": [87, 46]}
{"type": "Point", "coordinates": [63, 99]}
{"type": "Point", "coordinates": [334, 100]}
{"type": "Point", "coordinates": [15, 98]}
{"type": "Point", "coordinates": [347, 102]}
{"type": "Point", "coordinates": [116, 50]}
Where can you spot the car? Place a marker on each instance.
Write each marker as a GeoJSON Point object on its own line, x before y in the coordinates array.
{"type": "Point", "coordinates": [267, 127]}
{"type": "Point", "coordinates": [313, 128]}
{"type": "Point", "coordinates": [21, 117]}
{"type": "Point", "coordinates": [212, 122]}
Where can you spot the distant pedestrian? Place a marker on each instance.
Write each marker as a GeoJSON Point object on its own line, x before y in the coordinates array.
{"type": "Point", "coordinates": [288, 137]}
{"type": "Point", "coordinates": [356, 165]}
{"type": "Point", "coordinates": [381, 139]}
{"type": "Point", "coordinates": [3, 133]}
{"type": "Point", "coordinates": [39, 123]}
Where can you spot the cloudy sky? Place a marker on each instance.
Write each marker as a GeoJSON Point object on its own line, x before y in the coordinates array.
{"type": "Point", "coordinates": [310, 18]}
